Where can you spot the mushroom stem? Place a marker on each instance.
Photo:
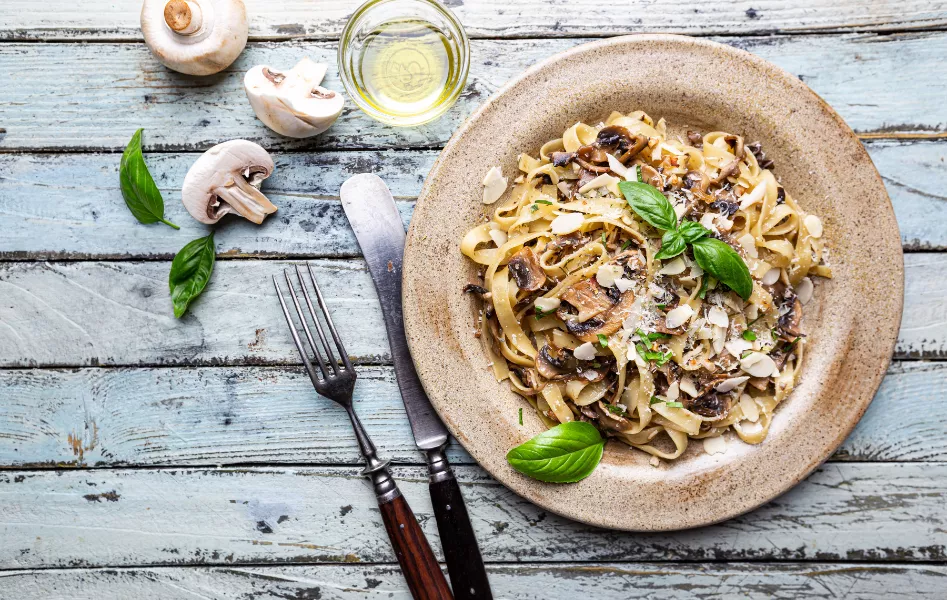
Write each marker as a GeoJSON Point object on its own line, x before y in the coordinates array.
{"type": "Point", "coordinates": [246, 200]}
{"type": "Point", "coordinates": [184, 17]}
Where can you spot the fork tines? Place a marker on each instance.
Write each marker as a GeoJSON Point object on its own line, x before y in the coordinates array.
{"type": "Point", "coordinates": [328, 364]}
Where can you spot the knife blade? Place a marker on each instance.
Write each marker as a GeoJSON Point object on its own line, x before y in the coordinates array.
{"type": "Point", "coordinates": [374, 217]}
{"type": "Point", "coordinates": [377, 224]}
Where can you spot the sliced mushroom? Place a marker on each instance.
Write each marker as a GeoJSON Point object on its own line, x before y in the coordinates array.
{"type": "Point", "coordinates": [710, 405]}
{"type": "Point", "coordinates": [789, 323]}
{"type": "Point", "coordinates": [227, 179]}
{"type": "Point", "coordinates": [731, 168]}
{"type": "Point", "coordinates": [606, 323]}
{"type": "Point", "coordinates": [291, 103]}
{"type": "Point", "coordinates": [611, 420]}
{"type": "Point", "coordinates": [555, 363]}
{"type": "Point", "coordinates": [526, 270]}
{"type": "Point", "coordinates": [588, 297]}
{"type": "Point", "coordinates": [473, 288]}
{"type": "Point", "coordinates": [196, 37]}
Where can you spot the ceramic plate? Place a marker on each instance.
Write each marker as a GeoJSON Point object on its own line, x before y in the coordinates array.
{"type": "Point", "coordinates": [852, 322]}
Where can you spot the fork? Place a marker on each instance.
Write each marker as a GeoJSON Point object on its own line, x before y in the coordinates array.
{"type": "Point", "coordinates": [337, 383]}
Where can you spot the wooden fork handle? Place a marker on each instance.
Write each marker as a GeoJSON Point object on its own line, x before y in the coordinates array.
{"type": "Point", "coordinates": [418, 563]}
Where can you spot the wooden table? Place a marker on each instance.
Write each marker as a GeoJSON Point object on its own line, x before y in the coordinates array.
{"type": "Point", "coordinates": [148, 457]}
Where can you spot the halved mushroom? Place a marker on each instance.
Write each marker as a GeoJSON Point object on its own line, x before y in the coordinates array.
{"type": "Point", "coordinates": [526, 270]}
{"type": "Point", "coordinates": [196, 37]}
{"type": "Point", "coordinates": [291, 103]}
{"type": "Point", "coordinates": [227, 179]}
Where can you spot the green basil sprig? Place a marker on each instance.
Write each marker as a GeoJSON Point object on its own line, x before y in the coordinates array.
{"type": "Point", "coordinates": [713, 256]}
{"type": "Point", "coordinates": [138, 188]}
{"type": "Point", "coordinates": [564, 454]}
{"type": "Point", "coordinates": [721, 261]}
{"type": "Point", "coordinates": [190, 271]}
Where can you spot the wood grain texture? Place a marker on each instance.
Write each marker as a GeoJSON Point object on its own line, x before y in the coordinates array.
{"type": "Point", "coordinates": [93, 97]}
{"type": "Point", "coordinates": [119, 313]}
{"type": "Point", "coordinates": [69, 206]}
{"type": "Point", "coordinates": [128, 517]}
{"type": "Point", "coordinates": [418, 564]}
{"type": "Point", "coordinates": [324, 19]}
{"type": "Point", "coordinates": [647, 581]}
{"type": "Point", "coordinates": [229, 415]}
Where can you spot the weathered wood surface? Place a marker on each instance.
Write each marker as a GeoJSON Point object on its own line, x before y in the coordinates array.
{"type": "Point", "coordinates": [119, 313]}
{"type": "Point", "coordinates": [324, 19]}
{"type": "Point", "coordinates": [69, 206]}
{"type": "Point", "coordinates": [751, 581]}
{"type": "Point", "coordinates": [129, 517]}
{"type": "Point", "coordinates": [233, 415]}
{"type": "Point", "coordinates": [93, 97]}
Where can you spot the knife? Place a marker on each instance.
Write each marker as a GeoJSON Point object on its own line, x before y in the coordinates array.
{"type": "Point", "coordinates": [371, 211]}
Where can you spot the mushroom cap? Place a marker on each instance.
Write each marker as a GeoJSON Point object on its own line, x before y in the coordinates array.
{"type": "Point", "coordinates": [219, 34]}
{"type": "Point", "coordinates": [226, 179]}
{"type": "Point", "coordinates": [291, 103]}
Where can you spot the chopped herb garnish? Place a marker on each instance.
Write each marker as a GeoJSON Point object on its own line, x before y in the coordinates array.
{"type": "Point", "coordinates": [657, 335]}
{"type": "Point", "coordinates": [521, 416]}
{"type": "Point", "coordinates": [674, 405]}
{"type": "Point", "coordinates": [596, 364]}
{"type": "Point", "coordinates": [746, 353]}
{"type": "Point", "coordinates": [662, 306]}
{"type": "Point", "coordinates": [603, 340]}
{"type": "Point", "coordinates": [654, 400]}
{"type": "Point", "coordinates": [789, 345]}
{"type": "Point", "coordinates": [638, 173]}
{"type": "Point", "coordinates": [540, 313]}
{"type": "Point", "coordinates": [541, 201]}
{"type": "Point", "coordinates": [749, 336]}
{"type": "Point", "coordinates": [533, 207]}
{"type": "Point", "coordinates": [616, 409]}
{"type": "Point", "coordinates": [704, 284]}
{"type": "Point", "coordinates": [659, 358]}
{"type": "Point", "coordinates": [625, 244]}
{"type": "Point", "coordinates": [604, 238]}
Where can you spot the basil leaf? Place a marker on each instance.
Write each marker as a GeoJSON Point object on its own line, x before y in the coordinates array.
{"type": "Point", "coordinates": [564, 454]}
{"type": "Point", "coordinates": [692, 231]}
{"type": "Point", "coordinates": [190, 272]}
{"type": "Point", "coordinates": [672, 244]}
{"type": "Point", "coordinates": [722, 261]}
{"type": "Point", "coordinates": [649, 204]}
{"type": "Point", "coordinates": [138, 188]}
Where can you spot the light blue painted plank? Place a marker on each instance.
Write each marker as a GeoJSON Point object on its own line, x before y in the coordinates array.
{"type": "Point", "coordinates": [647, 581]}
{"type": "Point", "coordinates": [228, 415]}
{"type": "Point", "coordinates": [177, 516]}
{"type": "Point", "coordinates": [90, 97]}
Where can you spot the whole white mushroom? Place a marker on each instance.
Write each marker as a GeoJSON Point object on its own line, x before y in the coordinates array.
{"type": "Point", "coordinates": [195, 37]}
{"type": "Point", "coordinates": [227, 179]}
{"type": "Point", "coordinates": [292, 103]}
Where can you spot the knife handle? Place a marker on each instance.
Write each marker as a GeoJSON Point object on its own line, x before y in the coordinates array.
{"type": "Point", "coordinates": [468, 575]}
{"type": "Point", "coordinates": [418, 563]}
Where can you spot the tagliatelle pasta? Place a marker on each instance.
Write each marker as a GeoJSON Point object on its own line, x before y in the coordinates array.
{"type": "Point", "coordinates": [587, 323]}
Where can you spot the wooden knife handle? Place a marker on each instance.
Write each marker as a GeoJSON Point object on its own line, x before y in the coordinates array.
{"type": "Point", "coordinates": [418, 563]}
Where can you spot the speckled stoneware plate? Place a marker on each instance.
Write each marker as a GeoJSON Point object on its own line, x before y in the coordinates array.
{"type": "Point", "coordinates": [852, 322]}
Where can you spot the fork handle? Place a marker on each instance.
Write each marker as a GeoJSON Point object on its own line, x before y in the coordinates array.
{"type": "Point", "coordinates": [418, 563]}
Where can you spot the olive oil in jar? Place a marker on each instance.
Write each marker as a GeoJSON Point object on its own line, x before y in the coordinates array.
{"type": "Point", "coordinates": [407, 69]}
